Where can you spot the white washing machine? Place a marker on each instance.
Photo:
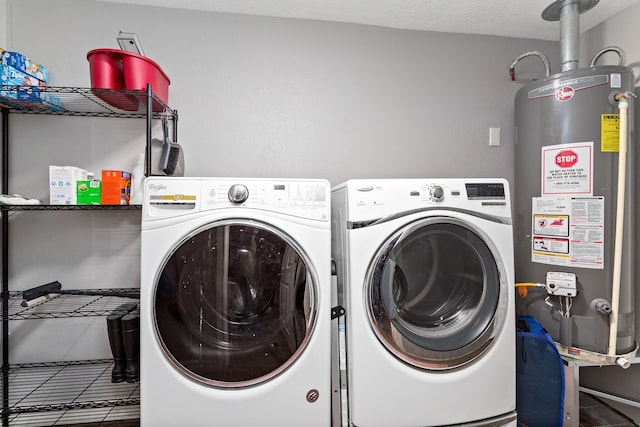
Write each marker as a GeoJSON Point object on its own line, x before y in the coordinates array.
{"type": "Point", "coordinates": [235, 302]}
{"type": "Point", "coordinates": [425, 275]}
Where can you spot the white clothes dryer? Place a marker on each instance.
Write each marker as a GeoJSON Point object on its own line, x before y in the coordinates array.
{"type": "Point", "coordinates": [235, 302]}
{"type": "Point", "coordinates": [425, 273]}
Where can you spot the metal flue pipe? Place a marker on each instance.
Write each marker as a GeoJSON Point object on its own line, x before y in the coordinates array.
{"type": "Point", "coordinates": [568, 13]}
{"type": "Point", "coordinates": [569, 35]}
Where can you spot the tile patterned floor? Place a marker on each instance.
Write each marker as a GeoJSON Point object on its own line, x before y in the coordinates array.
{"type": "Point", "coordinates": [596, 413]}
{"type": "Point", "coordinates": [127, 423]}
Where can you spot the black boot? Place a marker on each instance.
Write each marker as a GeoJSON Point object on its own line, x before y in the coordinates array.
{"type": "Point", "coordinates": [131, 340]}
{"type": "Point", "coordinates": [114, 331]}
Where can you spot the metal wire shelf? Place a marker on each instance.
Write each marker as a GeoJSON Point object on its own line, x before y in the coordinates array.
{"type": "Point", "coordinates": [6, 207]}
{"type": "Point", "coordinates": [65, 306]}
{"type": "Point", "coordinates": [60, 388]}
{"type": "Point", "coordinates": [20, 405]}
{"type": "Point", "coordinates": [70, 207]}
{"type": "Point", "coordinates": [86, 102]}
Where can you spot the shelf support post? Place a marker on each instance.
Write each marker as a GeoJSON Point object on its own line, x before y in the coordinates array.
{"type": "Point", "coordinates": [147, 163]}
{"type": "Point", "coordinates": [5, 272]}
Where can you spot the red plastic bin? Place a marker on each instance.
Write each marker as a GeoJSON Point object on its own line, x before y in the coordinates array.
{"type": "Point", "coordinates": [121, 70]}
{"type": "Point", "coordinates": [140, 70]}
{"type": "Point", "coordinates": [105, 69]}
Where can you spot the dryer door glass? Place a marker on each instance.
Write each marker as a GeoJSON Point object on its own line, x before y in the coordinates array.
{"type": "Point", "coordinates": [235, 304]}
{"type": "Point", "coordinates": [434, 293]}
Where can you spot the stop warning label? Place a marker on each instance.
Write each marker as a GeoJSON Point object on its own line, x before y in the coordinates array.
{"type": "Point", "coordinates": [567, 169]}
{"type": "Point", "coordinates": [566, 158]}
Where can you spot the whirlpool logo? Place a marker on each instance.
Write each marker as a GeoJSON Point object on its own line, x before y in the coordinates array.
{"type": "Point", "coordinates": [157, 187]}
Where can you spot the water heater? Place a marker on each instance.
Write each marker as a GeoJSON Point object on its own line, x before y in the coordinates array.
{"type": "Point", "coordinates": [567, 206]}
{"type": "Point", "coordinates": [567, 132]}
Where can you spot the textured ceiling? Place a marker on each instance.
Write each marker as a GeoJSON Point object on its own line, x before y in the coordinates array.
{"type": "Point", "coordinates": [510, 18]}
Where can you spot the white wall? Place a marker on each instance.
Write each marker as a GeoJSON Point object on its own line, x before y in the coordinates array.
{"type": "Point", "coordinates": [621, 31]}
{"type": "Point", "coordinates": [256, 97]}
{"type": "Point", "coordinates": [4, 20]}
{"type": "Point", "coordinates": [266, 97]}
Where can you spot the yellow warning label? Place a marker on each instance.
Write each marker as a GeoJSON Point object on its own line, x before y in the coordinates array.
{"type": "Point", "coordinates": [173, 197]}
{"type": "Point", "coordinates": [610, 133]}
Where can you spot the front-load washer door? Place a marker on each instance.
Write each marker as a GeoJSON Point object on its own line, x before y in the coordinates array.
{"type": "Point", "coordinates": [436, 293]}
{"type": "Point", "coordinates": [235, 303]}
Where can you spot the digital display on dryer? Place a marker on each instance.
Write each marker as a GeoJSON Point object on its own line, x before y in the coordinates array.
{"type": "Point", "coordinates": [481, 191]}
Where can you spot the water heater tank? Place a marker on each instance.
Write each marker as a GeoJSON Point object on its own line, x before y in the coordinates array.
{"type": "Point", "coordinates": [566, 166]}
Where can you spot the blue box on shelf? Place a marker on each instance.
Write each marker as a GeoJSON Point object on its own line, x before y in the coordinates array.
{"type": "Point", "coordinates": [12, 76]}
{"type": "Point", "coordinates": [24, 64]}
{"type": "Point", "coordinates": [24, 96]}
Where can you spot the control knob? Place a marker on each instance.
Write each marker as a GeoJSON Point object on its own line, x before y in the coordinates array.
{"type": "Point", "coordinates": [436, 193]}
{"type": "Point", "coordinates": [238, 193]}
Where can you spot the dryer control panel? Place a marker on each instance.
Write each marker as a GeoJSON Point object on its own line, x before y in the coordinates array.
{"type": "Point", "coordinates": [378, 198]}
{"type": "Point", "coordinates": [485, 191]}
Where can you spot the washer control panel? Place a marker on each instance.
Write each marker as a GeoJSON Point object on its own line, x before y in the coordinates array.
{"type": "Point", "coordinates": [165, 197]}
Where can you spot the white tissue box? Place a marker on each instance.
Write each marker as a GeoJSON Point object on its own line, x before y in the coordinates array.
{"type": "Point", "coordinates": [62, 184]}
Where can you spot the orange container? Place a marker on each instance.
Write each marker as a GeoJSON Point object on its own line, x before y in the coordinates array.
{"type": "Point", "coordinates": [116, 187]}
